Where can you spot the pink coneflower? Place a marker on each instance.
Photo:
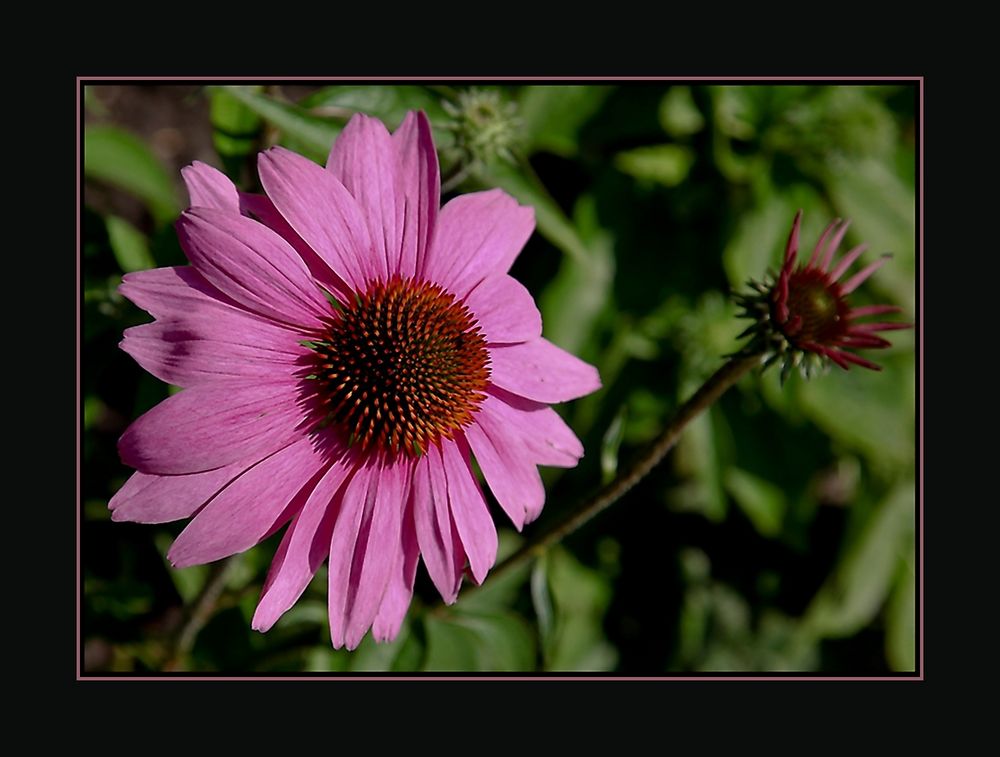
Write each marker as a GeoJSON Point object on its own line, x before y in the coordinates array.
{"type": "Point", "coordinates": [804, 317]}
{"type": "Point", "coordinates": [345, 349]}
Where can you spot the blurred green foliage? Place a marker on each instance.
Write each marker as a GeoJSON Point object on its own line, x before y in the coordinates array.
{"type": "Point", "coordinates": [779, 536]}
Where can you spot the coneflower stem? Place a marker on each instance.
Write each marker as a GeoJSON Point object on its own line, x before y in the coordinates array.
{"type": "Point", "coordinates": [737, 367]}
{"type": "Point", "coordinates": [458, 174]}
{"type": "Point", "coordinates": [197, 614]}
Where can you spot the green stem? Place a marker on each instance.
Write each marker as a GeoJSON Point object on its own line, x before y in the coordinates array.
{"type": "Point", "coordinates": [197, 614]}
{"type": "Point", "coordinates": [700, 401]}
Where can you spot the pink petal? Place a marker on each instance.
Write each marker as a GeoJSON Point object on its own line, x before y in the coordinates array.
{"type": "Point", "coordinates": [477, 235]}
{"type": "Point", "coordinates": [873, 310]}
{"type": "Point", "coordinates": [253, 265]}
{"type": "Point", "coordinates": [303, 549]}
{"type": "Point", "coordinates": [321, 211]}
{"type": "Point", "coordinates": [505, 310]}
{"type": "Point", "coordinates": [420, 178]}
{"type": "Point", "coordinates": [250, 507]}
{"type": "Point", "coordinates": [792, 248]}
{"type": "Point", "coordinates": [210, 426]}
{"type": "Point", "coordinates": [365, 160]}
{"type": "Point", "coordinates": [468, 507]}
{"type": "Point", "coordinates": [216, 343]}
{"type": "Point", "coordinates": [832, 247]}
{"type": "Point", "coordinates": [210, 188]}
{"type": "Point", "coordinates": [850, 357]}
{"type": "Point", "coordinates": [399, 591]}
{"type": "Point", "coordinates": [166, 292]}
{"type": "Point", "coordinates": [861, 328]}
{"type": "Point", "coordinates": [818, 249]}
{"type": "Point", "coordinates": [148, 498]}
{"type": "Point", "coordinates": [541, 371]}
{"type": "Point", "coordinates": [510, 474]}
{"type": "Point", "coordinates": [442, 552]}
{"type": "Point", "coordinates": [377, 550]}
{"type": "Point", "coordinates": [863, 340]}
{"type": "Point", "coordinates": [540, 431]}
{"type": "Point", "coordinates": [857, 279]}
{"type": "Point", "coordinates": [260, 207]}
{"type": "Point", "coordinates": [845, 262]}
{"type": "Point", "coordinates": [355, 498]}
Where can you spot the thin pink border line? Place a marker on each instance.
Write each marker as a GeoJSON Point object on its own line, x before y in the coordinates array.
{"type": "Point", "coordinates": [354, 679]}
{"type": "Point", "coordinates": [79, 385]}
{"type": "Point", "coordinates": [920, 371]}
{"type": "Point", "coordinates": [920, 442]}
{"type": "Point", "coordinates": [334, 77]}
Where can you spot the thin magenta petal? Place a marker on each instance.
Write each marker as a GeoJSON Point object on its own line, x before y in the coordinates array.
{"type": "Point", "coordinates": [859, 278]}
{"type": "Point", "coordinates": [846, 261]}
{"type": "Point", "coordinates": [831, 248]}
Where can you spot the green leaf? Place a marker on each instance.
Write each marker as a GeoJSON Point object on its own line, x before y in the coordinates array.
{"type": "Point", "coordinates": [698, 459]}
{"type": "Point", "coordinates": [501, 591]}
{"type": "Point", "coordinates": [610, 444]}
{"type": "Point", "coordinates": [859, 585]}
{"type": "Point", "coordinates": [376, 657]}
{"type": "Point", "coordinates": [312, 134]}
{"type": "Point", "coordinates": [235, 127]}
{"type": "Point", "coordinates": [324, 659]}
{"type": "Point", "coordinates": [130, 246]}
{"type": "Point", "coordinates": [451, 647]}
{"type": "Point", "coordinates": [552, 222]}
{"type": "Point", "coordinates": [882, 212]}
{"type": "Point", "coordinates": [762, 502]}
{"type": "Point", "coordinates": [679, 116]}
{"type": "Point", "coordinates": [187, 581]}
{"type": "Point", "coordinates": [900, 621]}
{"type": "Point", "coordinates": [541, 598]}
{"type": "Point", "coordinates": [553, 115]}
{"type": "Point", "coordinates": [661, 164]}
{"type": "Point", "coordinates": [573, 301]}
{"type": "Point", "coordinates": [499, 641]}
{"type": "Point", "coordinates": [116, 157]}
{"type": "Point", "coordinates": [580, 597]}
{"type": "Point", "coordinates": [389, 103]}
{"type": "Point", "coordinates": [871, 412]}
{"type": "Point", "coordinates": [758, 242]}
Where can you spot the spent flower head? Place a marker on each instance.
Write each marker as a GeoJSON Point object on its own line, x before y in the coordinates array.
{"type": "Point", "coordinates": [802, 317]}
{"type": "Point", "coordinates": [486, 127]}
